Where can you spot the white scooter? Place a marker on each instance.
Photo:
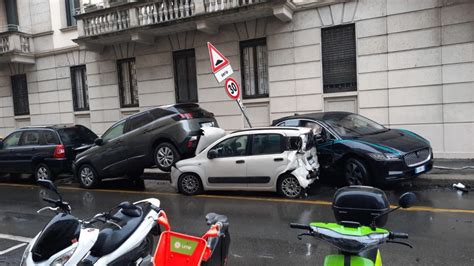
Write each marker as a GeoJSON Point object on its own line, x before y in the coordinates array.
{"type": "Point", "coordinates": [121, 236]}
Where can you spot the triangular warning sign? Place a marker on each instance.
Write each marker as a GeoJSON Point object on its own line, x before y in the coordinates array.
{"type": "Point", "coordinates": [218, 61]}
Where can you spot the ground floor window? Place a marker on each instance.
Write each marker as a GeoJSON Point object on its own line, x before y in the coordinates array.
{"type": "Point", "coordinates": [128, 87]}
{"type": "Point", "coordinates": [21, 105]}
{"type": "Point", "coordinates": [80, 91]}
{"type": "Point", "coordinates": [185, 76]}
{"type": "Point", "coordinates": [254, 68]}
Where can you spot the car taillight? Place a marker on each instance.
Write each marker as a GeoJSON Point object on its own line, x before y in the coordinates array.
{"type": "Point", "coordinates": [192, 142]}
{"type": "Point", "coordinates": [186, 116]}
{"type": "Point", "coordinates": [59, 151]}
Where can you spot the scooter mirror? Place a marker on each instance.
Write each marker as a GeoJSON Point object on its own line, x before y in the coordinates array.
{"type": "Point", "coordinates": [407, 200]}
{"type": "Point", "coordinates": [48, 184]}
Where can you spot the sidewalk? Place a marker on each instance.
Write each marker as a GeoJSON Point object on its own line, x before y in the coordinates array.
{"type": "Point", "coordinates": [450, 171]}
{"type": "Point", "coordinates": [445, 173]}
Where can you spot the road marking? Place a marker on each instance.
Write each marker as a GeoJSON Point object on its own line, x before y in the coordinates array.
{"type": "Point", "coordinates": [15, 238]}
{"type": "Point", "coordinates": [3, 252]}
{"type": "Point", "coordinates": [310, 202]}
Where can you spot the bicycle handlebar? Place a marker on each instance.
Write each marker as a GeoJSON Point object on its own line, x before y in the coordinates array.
{"type": "Point", "coordinates": [300, 226]}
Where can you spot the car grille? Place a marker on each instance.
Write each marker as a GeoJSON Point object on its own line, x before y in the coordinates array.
{"type": "Point", "coordinates": [417, 157]}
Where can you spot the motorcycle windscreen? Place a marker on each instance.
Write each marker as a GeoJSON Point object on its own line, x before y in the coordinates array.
{"type": "Point", "coordinates": [61, 232]}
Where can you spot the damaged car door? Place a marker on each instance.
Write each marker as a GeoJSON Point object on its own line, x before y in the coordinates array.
{"type": "Point", "coordinates": [267, 159]}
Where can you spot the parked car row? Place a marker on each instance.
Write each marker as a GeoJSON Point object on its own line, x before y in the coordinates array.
{"type": "Point", "coordinates": [185, 140]}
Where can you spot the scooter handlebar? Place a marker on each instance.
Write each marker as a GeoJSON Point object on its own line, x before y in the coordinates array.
{"type": "Point", "coordinates": [395, 235]}
{"type": "Point", "coordinates": [48, 200]}
{"type": "Point", "coordinates": [300, 226]}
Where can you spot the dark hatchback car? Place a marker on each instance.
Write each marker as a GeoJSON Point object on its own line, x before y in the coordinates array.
{"type": "Point", "coordinates": [159, 136]}
{"type": "Point", "coordinates": [363, 151]}
{"type": "Point", "coordinates": [45, 151]}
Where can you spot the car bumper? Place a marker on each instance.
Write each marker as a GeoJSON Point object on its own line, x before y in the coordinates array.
{"type": "Point", "coordinates": [59, 165]}
{"type": "Point", "coordinates": [396, 171]}
{"type": "Point", "coordinates": [174, 176]}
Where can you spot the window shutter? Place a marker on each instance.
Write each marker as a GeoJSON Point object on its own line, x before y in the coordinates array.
{"type": "Point", "coordinates": [339, 59]}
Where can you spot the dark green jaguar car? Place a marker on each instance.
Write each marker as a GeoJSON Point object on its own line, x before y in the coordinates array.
{"type": "Point", "coordinates": [363, 151]}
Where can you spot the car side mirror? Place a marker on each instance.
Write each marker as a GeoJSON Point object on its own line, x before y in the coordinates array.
{"type": "Point", "coordinates": [98, 141]}
{"type": "Point", "coordinates": [212, 154]}
{"type": "Point", "coordinates": [407, 200]}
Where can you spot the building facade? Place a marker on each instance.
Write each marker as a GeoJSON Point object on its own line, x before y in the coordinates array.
{"type": "Point", "coordinates": [404, 63]}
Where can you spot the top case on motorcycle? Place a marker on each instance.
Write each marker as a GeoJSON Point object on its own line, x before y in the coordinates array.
{"type": "Point", "coordinates": [111, 237]}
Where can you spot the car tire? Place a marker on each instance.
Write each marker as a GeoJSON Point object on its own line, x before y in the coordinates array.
{"type": "Point", "coordinates": [165, 156]}
{"type": "Point", "coordinates": [190, 184]}
{"type": "Point", "coordinates": [87, 176]}
{"type": "Point", "coordinates": [289, 187]}
{"type": "Point", "coordinates": [356, 172]}
{"type": "Point", "coordinates": [43, 172]}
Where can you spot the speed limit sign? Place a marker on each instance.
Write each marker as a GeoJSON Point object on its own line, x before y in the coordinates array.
{"type": "Point", "coordinates": [232, 88]}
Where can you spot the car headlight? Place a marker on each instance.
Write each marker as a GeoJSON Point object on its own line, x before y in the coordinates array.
{"type": "Point", "coordinates": [61, 260]}
{"type": "Point", "coordinates": [385, 156]}
{"type": "Point", "coordinates": [25, 255]}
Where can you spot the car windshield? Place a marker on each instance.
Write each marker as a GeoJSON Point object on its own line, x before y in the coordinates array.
{"type": "Point", "coordinates": [77, 135]}
{"type": "Point", "coordinates": [353, 125]}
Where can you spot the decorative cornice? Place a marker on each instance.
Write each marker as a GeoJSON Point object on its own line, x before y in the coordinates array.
{"type": "Point", "coordinates": [41, 34]}
{"type": "Point", "coordinates": [58, 51]}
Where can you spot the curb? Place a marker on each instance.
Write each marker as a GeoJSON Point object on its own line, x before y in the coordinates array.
{"type": "Point", "coordinates": [444, 180]}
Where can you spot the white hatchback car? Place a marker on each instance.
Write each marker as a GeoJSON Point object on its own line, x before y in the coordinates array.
{"type": "Point", "coordinates": [259, 159]}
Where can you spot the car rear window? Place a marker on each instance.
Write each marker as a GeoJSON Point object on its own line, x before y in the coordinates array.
{"type": "Point", "coordinates": [77, 135]}
{"type": "Point", "coordinates": [159, 113]}
{"type": "Point", "coordinates": [194, 109]}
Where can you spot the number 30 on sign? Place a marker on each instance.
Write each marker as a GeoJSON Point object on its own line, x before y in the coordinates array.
{"type": "Point", "coordinates": [232, 88]}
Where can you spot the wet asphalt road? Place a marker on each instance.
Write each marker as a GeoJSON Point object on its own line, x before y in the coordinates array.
{"type": "Point", "coordinates": [259, 222]}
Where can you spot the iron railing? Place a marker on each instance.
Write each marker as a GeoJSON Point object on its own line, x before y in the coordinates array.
{"type": "Point", "coordinates": [106, 19]}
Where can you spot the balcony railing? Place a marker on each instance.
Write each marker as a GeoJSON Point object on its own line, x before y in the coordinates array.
{"type": "Point", "coordinates": [15, 42]}
{"type": "Point", "coordinates": [137, 14]}
{"type": "Point", "coordinates": [16, 46]}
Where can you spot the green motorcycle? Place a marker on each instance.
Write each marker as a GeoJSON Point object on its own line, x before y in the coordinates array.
{"type": "Point", "coordinates": [360, 213]}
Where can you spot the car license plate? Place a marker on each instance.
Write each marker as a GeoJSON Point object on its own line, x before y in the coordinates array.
{"type": "Point", "coordinates": [207, 124]}
{"type": "Point", "coordinates": [419, 169]}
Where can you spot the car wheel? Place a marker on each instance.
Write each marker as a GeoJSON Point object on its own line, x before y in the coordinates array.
{"type": "Point", "coordinates": [42, 172]}
{"type": "Point", "coordinates": [356, 173]}
{"type": "Point", "coordinates": [165, 156]}
{"type": "Point", "coordinates": [87, 176]}
{"type": "Point", "coordinates": [289, 187]}
{"type": "Point", "coordinates": [190, 184]}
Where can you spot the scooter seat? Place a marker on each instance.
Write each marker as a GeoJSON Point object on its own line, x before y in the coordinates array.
{"type": "Point", "coordinates": [213, 218]}
{"type": "Point", "coordinates": [111, 237]}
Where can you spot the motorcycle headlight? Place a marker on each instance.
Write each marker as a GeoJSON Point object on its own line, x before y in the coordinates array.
{"type": "Point", "coordinates": [61, 260]}
{"type": "Point", "coordinates": [25, 255]}
{"type": "Point", "coordinates": [385, 156]}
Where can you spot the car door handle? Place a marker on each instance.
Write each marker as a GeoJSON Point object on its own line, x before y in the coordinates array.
{"type": "Point", "coordinates": [278, 159]}
{"type": "Point", "coordinates": [147, 130]}
{"type": "Point", "coordinates": [240, 161]}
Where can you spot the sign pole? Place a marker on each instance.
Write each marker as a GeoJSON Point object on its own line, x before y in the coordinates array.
{"type": "Point", "coordinates": [244, 112]}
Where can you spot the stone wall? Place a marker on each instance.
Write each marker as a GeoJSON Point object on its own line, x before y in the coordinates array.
{"type": "Point", "coordinates": [414, 62]}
